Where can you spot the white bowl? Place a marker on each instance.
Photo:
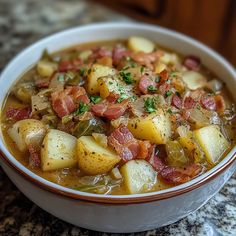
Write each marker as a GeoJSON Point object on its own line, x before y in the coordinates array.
{"type": "Point", "coordinates": [126, 213]}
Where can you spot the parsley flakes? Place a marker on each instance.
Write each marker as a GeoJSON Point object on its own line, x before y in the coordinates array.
{"type": "Point", "coordinates": [149, 105]}
{"type": "Point", "coordinates": [127, 77]}
{"type": "Point", "coordinates": [95, 99]}
{"type": "Point", "coordinates": [151, 88]}
{"type": "Point", "coordinates": [82, 108]}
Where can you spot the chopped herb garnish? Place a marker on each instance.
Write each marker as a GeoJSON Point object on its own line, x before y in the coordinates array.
{"type": "Point", "coordinates": [133, 98]}
{"type": "Point", "coordinates": [173, 74]}
{"type": "Point", "coordinates": [133, 64]}
{"type": "Point", "coordinates": [169, 111]}
{"type": "Point", "coordinates": [152, 88]}
{"type": "Point", "coordinates": [149, 105]}
{"type": "Point", "coordinates": [82, 108]}
{"type": "Point", "coordinates": [126, 68]}
{"type": "Point", "coordinates": [82, 71]}
{"type": "Point", "coordinates": [121, 98]}
{"type": "Point", "coordinates": [110, 82]}
{"type": "Point", "coordinates": [95, 99]}
{"type": "Point", "coordinates": [168, 93]}
{"type": "Point", "coordinates": [158, 79]}
{"type": "Point", "coordinates": [142, 69]}
{"type": "Point", "coordinates": [61, 78]}
{"type": "Point", "coordinates": [127, 77]}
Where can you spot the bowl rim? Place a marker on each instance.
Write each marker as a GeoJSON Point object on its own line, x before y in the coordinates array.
{"type": "Point", "coordinates": [120, 199]}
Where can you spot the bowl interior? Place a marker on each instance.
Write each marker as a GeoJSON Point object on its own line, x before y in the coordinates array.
{"type": "Point", "coordinates": [107, 31]}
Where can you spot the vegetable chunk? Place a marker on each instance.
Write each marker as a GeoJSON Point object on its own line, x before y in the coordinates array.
{"type": "Point", "coordinates": [138, 44]}
{"type": "Point", "coordinates": [93, 158]}
{"type": "Point", "coordinates": [156, 127]}
{"type": "Point", "coordinates": [26, 132]}
{"type": "Point", "coordinates": [139, 176]}
{"type": "Point", "coordinates": [97, 71]}
{"type": "Point", "coordinates": [212, 142]}
{"type": "Point", "coordinates": [58, 150]}
{"type": "Point", "coordinates": [194, 80]}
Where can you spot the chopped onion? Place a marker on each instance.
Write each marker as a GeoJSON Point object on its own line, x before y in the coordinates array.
{"type": "Point", "coordinates": [214, 85]}
{"type": "Point", "coordinates": [116, 173]}
{"type": "Point", "coordinates": [183, 131]}
{"type": "Point", "coordinates": [198, 118]}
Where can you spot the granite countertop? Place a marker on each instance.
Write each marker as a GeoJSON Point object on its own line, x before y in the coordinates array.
{"type": "Point", "coordinates": [23, 22]}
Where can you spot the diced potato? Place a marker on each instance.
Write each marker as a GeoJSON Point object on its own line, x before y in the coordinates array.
{"type": "Point", "coordinates": [113, 85]}
{"type": "Point", "coordinates": [156, 127]}
{"type": "Point", "coordinates": [139, 176]}
{"type": "Point", "coordinates": [94, 159]}
{"type": "Point", "coordinates": [169, 58]}
{"type": "Point", "coordinates": [46, 68]}
{"type": "Point", "coordinates": [84, 55]}
{"type": "Point", "coordinates": [138, 44]}
{"type": "Point", "coordinates": [194, 80]}
{"type": "Point", "coordinates": [212, 142]}
{"type": "Point", "coordinates": [136, 72]}
{"type": "Point", "coordinates": [97, 71]}
{"type": "Point", "coordinates": [28, 131]}
{"type": "Point", "coordinates": [58, 150]}
{"type": "Point", "coordinates": [159, 67]}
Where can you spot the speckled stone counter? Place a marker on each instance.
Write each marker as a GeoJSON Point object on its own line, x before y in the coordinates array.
{"type": "Point", "coordinates": [23, 22]}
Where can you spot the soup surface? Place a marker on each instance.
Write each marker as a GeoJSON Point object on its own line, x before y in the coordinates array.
{"type": "Point", "coordinates": [118, 117]}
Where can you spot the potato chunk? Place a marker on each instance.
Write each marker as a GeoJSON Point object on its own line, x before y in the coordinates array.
{"type": "Point", "coordinates": [194, 80]}
{"type": "Point", "coordinates": [94, 159]}
{"type": "Point", "coordinates": [212, 142]}
{"type": "Point", "coordinates": [28, 131]}
{"type": "Point", "coordinates": [46, 68]}
{"type": "Point", "coordinates": [138, 44]}
{"type": "Point", "coordinates": [156, 127]}
{"type": "Point", "coordinates": [139, 176]}
{"type": "Point", "coordinates": [58, 150]}
{"type": "Point", "coordinates": [97, 71]}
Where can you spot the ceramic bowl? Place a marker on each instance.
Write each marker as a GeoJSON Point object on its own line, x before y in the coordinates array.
{"type": "Point", "coordinates": [126, 213]}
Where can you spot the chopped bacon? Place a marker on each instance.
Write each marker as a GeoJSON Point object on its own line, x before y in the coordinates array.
{"type": "Point", "coordinates": [42, 83]}
{"type": "Point", "coordinates": [111, 111]}
{"type": "Point", "coordinates": [18, 113]}
{"type": "Point", "coordinates": [78, 94]}
{"type": "Point", "coordinates": [99, 52]}
{"type": "Point", "coordinates": [34, 158]}
{"type": "Point", "coordinates": [65, 65]}
{"type": "Point", "coordinates": [189, 102]}
{"type": "Point", "coordinates": [144, 83]}
{"type": "Point", "coordinates": [62, 103]}
{"type": "Point", "coordinates": [220, 103]}
{"type": "Point", "coordinates": [144, 151]}
{"type": "Point", "coordinates": [164, 88]}
{"type": "Point", "coordinates": [122, 140]}
{"type": "Point", "coordinates": [176, 101]}
{"type": "Point", "coordinates": [146, 59]}
{"type": "Point", "coordinates": [172, 175]}
{"type": "Point", "coordinates": [192, 62]}
{"type": "Point", "coordinates": [208, 102]}
{"type": "Point", "coordinates": [164, 76]}
{"type": "Point", "coordinates": [118, 53]}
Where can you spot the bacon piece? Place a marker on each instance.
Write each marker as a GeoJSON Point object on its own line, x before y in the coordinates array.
{"type": "Point", "coordinates": [144, 151]}
{"type": "Point", "coordinates": [173, 176]}
{"type": "Point", "coordinates": [164, 88]}
{"type": "Point", "coordinates": [208, 102]}
{"type": "Point", "coordinates": [176, 101]}
{"type": "Point", "coordinates": [164, 76]}
{"type": "Point", "coordinates": [146, 59]}
{"type": "Point", "coordinates": [189, 102]}
{"type": "Point", "coordinates": [122, 140]}
{"type": "Point", "coordinates": [62, 103]}
{"type": "Point", "coordinates": [220, 103]}
{"type": "Point", "coordinates": [65, 65]}
{"type": "Point", "coordinates": [111, 111]}
{"type": "Point", "coordinates": [18, 113]}
{"type": "Point", "coordinates": [99, 52]}
{"type": "Point", "coordinates": [78, 94]}
{"type": "Point", "coordinates": [42, 83]}
{"type": "Point", "coordinates": [144, 83]}
{"type": "Point", "coordinates": [118, 53]}
{"type": "Point", "coordinates": [34, 158]}
{"type": "Point", "coordinates": [192, 62]}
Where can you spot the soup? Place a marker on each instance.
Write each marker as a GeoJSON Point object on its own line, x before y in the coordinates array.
{"type": "Point", "coordinates": [118, 117]}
